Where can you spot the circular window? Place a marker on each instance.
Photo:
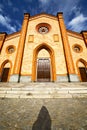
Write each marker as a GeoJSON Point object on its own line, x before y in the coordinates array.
{"type": "Point", "coordinates": [10, 49]}
{"type": "Point", "coordinates": [43, 28]}
{"type": "Point", "coordinates": [77, 48]}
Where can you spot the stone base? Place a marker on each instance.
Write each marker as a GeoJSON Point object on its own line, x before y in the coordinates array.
{"type": "Point", "coordinates": [74, 78]}
{"type": "Point", "coordinates": [62, 78]}
{"type": "Point", "coordinates": [25, 78]}
{"type": "Point", "coordinates": [14, 78]}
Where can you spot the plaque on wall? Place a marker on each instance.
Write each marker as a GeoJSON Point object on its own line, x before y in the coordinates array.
{"type": "Point", "coordinates": [56, 38]}
{"type": "Point", "coordinates": [31, 38]}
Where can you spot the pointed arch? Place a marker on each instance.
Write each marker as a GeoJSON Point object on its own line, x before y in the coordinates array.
{"type": "Point", "coordinates": [5, 70]}
{"type": "Point", "coordinates": [35, 54]}
{"type": "Point", "coordinates": [82, 69]}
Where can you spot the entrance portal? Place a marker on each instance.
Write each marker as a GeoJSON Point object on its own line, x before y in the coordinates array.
{"type": "Point", "coordinates": [43, 70]}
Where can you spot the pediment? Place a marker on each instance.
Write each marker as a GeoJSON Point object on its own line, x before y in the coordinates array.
{"type": "Point", "coordinates": [43, 15]}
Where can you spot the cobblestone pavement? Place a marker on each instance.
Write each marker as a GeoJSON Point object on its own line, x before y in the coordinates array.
{"type": "Point", "coordinates": [43, 114]}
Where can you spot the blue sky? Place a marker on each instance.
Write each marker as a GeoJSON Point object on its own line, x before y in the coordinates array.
{"type": "Point", "coordinates": [12, 12]}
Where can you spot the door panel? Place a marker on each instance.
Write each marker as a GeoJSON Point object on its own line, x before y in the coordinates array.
{"type": "Point", "coordinates": [43, 70]}
{"type": "Point", "coordinates": [5, 74]}
{"type": "Point", "coordinates": [83, 74]}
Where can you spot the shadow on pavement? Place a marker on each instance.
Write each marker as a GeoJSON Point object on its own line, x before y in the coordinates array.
{"type": "Point", "coordinates": [43, 121]}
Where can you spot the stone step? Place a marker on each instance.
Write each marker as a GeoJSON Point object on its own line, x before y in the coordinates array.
{"type": "Point", "coordinates": [43, 90]}
{"type": "Point", "coordinates": [45, 84]}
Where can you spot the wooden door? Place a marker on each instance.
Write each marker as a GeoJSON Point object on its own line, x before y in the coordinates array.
{"type": "Point", "coordinates": [43, 70]}
{"type": "Point", "coordinates": [5, 74]}
{"type": "Point", "coordinates": [83, 74]}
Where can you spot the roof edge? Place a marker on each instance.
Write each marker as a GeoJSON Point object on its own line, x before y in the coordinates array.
{"type": "Point", "coordinates": [43, 14]}
{"type": "Point", "coordinates": [75, 34]}
{"type": "Point", "coordinates": [15, 34]}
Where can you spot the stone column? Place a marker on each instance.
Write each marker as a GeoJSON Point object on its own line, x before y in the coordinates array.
{"type": "Point", "coordinates": [18, 61]}
{"type": "Point", "coordinates": [2, 39]}
{"type": "Point", "coordinates": [67, 52]}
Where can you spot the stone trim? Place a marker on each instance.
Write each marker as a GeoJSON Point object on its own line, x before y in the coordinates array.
{"type": "Point", "coordinates": [74, 78]}
{"type": "Point", "coordinates": [61, 78]}
{"type": "Point", "coordinates": [25, 78]}
{"type": "Point", "coordinates": [14, 78]}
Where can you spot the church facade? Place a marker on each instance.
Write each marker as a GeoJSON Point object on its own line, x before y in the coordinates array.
{"type": "Point", "coordinates": [43, 51]}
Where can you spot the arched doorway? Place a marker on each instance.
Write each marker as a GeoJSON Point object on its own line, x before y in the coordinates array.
{"type": "Point", "coordinates": [43, 69]}
{"type": "Point", "coordinates": [5, 71]}
{"type": "Point", "coordinates": [82, 67]}
{"type": "Point", "coordinates": [43, 66]}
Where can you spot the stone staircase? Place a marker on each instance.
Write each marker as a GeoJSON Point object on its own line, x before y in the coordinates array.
{"type": "Point", "coordinates": [43, 90]}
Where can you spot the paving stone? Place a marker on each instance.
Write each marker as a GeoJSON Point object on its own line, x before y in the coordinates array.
{"type": "Point", "coordinates": [64, 114]}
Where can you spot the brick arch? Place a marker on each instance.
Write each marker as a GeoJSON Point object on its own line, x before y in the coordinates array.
{"type": "Point", "coordinates": [2, 66]}
{"type": "Point", "coordinates": [35, 54]}
{"type": "Point", "coordinates": [84, 63]}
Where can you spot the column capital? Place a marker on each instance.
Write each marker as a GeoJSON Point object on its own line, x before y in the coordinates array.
{"type": "Point", "coordinates": [26, 15]}
{"type": "Point", "coordinates": [60, 15]}
{"type": "Point", "coordinates": [84, 33]}
{"type": "Point", "coordinates": [3, 34]}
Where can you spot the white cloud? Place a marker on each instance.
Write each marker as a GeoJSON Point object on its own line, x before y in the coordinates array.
{"type": "Point", "coordinates": [78, 19]}
{"type": "Point", "coordinates": [6, 22]}
{"type": "Point", "coordinates": [78, 23]}
{"type": "Point", "coordinates": [76, 10]}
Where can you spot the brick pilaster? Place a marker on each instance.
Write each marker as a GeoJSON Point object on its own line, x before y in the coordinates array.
{"type": "Point", "coordinates": [68, 56]}
{"type": "Point", "coordinates": [21, 44]}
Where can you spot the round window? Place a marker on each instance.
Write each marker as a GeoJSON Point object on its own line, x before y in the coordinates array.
{"type": "Point", "coordinates": [43, 28]}
{"type": "Point", "coordinates": [77, 48]}
{"type": "Point", "coordinates": [10, 49]}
